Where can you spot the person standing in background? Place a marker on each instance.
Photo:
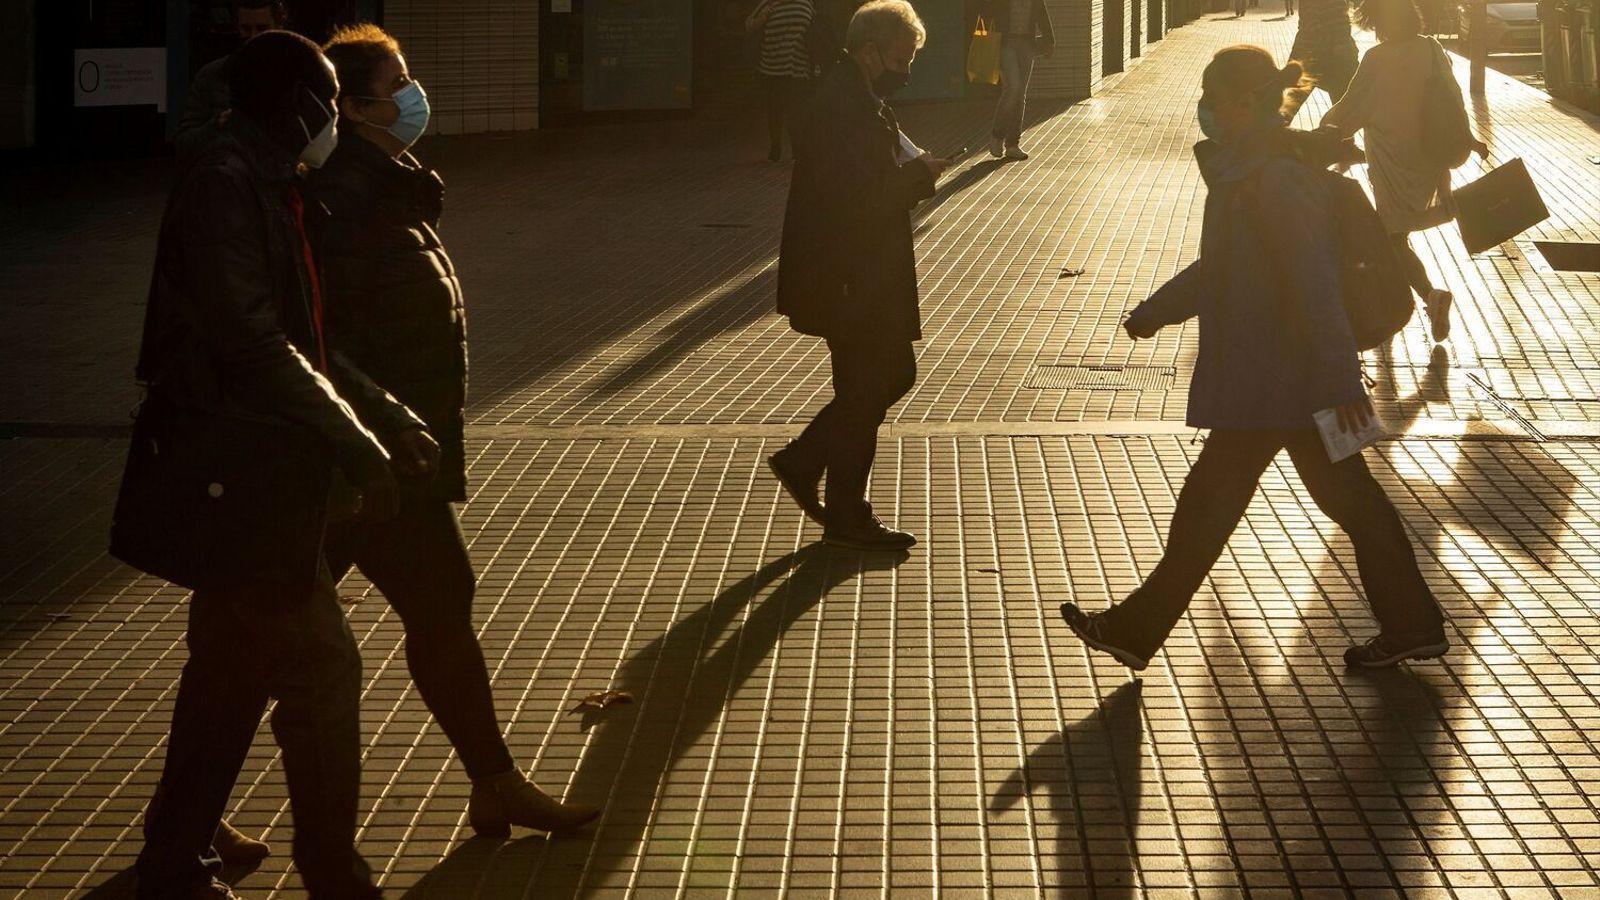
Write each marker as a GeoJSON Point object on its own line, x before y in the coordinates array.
{"type": "Point", "coordinates": [785, 64]}
{"type": "Point", "coordinates": [208, 95]}
{"type": "Point", "coordinates": [1025, 33]}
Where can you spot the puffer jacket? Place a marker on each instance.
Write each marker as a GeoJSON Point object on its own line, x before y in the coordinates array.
{"type": "Point", "coordinates": [394, 303]}
{"type": "Point", "coordinates": [1275, 342]}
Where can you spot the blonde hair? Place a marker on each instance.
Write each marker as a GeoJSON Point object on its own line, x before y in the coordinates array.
{"type": "Point", "coordinates": [881, 21]}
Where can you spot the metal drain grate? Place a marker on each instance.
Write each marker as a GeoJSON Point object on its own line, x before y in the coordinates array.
{"type": "Point", "coordinates": [1101, 378]}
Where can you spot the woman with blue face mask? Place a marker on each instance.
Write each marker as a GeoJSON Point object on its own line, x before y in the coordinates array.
{"type": "Point", "coordinates": [394, 309]}
{"type": "Point", "coordinates": [1276, 348]}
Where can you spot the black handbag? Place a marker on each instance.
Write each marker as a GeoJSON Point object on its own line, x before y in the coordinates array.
{"type": "Point", "coordinates": [1498, 206]}
{"type": "Point", "coordinates": [211, 502]}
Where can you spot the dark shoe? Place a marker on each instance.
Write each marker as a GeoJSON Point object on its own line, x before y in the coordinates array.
{"type": "Point", "coordinates": [867, 533]}
{"type": "Point", "coordinates": [1096, 632]}
{"type": "Point", "coordinates": [507, 799]}
{"type": "Point", "coordinates": [1384, 651]}
{"type": "Point", "coordinates": [800, 482]}
{"type": "Point", "coordinates": [238, 850]}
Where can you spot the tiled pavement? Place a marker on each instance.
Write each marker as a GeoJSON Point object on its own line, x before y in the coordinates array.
{"type": "Point", "coordinates": [815, 721]}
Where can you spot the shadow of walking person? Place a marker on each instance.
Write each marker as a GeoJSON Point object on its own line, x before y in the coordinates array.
{"type": "Point", "coordinates": [682, 683]}
{"type": "Point", "coordinates": [1092, 771]}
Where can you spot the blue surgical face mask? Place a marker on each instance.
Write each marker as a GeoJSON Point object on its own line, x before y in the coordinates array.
{"type": "Point", "coordinates": [412, 105]}
{"type": "Point", "coordinates": [414, 111]}
{"type": "Point", "coordinates": [1208, 121]}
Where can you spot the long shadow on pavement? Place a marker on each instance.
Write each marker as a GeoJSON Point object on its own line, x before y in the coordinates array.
{"type": "Point", "coordinates": [1093, 774]}
{"type": "Point", "coordinates": [681, 691]}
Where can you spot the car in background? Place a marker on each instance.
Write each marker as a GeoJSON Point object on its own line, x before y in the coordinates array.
{"type": "Point", "coordinates": [1512, 27]}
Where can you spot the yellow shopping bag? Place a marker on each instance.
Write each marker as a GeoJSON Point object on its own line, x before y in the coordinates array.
{"type": "Point", "coordinates": [983, 57]}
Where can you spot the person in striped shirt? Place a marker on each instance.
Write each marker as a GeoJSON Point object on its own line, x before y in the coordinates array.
{"type": "Point", "coordinates": [785, 65]}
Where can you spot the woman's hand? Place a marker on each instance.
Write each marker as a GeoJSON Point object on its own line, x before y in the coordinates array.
{"type": "Point", "coordinates": [1480, 148]}
{"type": "Point", "coordinates": [1355, 415]}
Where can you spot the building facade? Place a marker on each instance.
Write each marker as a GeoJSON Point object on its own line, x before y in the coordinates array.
{"type": "Point", "coordinates": [109, 77]}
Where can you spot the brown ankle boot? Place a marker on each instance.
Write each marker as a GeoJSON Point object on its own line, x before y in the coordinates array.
{"type": "Point", "coordinates": [236, 850]}
{"type": "Point", "coordinates": [507, 799]}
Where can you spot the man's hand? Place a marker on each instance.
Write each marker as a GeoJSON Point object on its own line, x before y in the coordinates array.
{"type": "Point", "coordinates": [935, 164]}
{"type": "Point", "coordinates": [1355, 415]}
{"type": "Point", "coordinates": [1480, 148]}
{"type": "Point", "coordinates": [415, 453]}
{"type": "Point", "coordinates": [380, 496]}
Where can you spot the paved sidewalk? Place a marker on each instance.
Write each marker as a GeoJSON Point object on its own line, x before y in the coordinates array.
{"type": "Point", "coordinates": [815, 721]}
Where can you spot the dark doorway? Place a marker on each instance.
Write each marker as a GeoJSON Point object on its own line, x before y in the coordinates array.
{"type": "Point", "coordinates": [1112, 29]}
{"type": "Point", "coordinates": [1135, 29]}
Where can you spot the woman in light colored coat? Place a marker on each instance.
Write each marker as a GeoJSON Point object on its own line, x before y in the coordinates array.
{"type": "Point", "coordinates": [1385, 102]}
{"type": "Point", "coordinates": [1275, 348]}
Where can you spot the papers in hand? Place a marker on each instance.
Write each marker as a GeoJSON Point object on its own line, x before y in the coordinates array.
{"type": "Point", "coordinates": [907, 151]}
{"type": "Point", "coordinates": [1342, 445]}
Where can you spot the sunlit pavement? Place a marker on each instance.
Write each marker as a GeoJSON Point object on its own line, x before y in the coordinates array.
{"type": "Point", "coordinates": [811, 720]}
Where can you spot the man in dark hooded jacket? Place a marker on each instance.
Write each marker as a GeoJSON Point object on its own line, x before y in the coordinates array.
{"type": "Point", "coordinates": [248, 417]}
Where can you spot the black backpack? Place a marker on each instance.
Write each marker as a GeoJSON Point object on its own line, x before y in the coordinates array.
{"type": "Point", "coordinates": [1372, 282]}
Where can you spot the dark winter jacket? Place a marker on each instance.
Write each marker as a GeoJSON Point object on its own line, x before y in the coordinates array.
{"type": "Point", "coordinates": [394, 303]}
{"type": "Point", "coordinates": [1275, 342]}
{"type": "Point", "coordinates": [846, 264]}
{"type": "Point", "coordinates": [230, 360]}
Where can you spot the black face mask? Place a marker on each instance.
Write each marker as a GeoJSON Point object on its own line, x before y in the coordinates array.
{"type": "Point", "coordinates": [889, 82]}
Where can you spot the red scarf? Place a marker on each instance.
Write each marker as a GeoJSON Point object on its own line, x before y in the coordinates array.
{"type": "Point", "coordinates": [299, 208]}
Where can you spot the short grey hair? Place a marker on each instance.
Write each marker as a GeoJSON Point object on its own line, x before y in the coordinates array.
{"type": "Point", "coordinates": [881, 21]}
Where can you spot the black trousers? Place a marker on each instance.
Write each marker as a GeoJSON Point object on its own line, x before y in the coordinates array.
{"type": "Point", "coordinates": [248, 645]}
{"type": "Point", "coordinates": [419, 561]}
{"type": "Point", "coordinates": [1214, 499]}
{"type": "Point", "coordinates": [869, 376]}
{"type": "Point", "coordinates": [786, 99]}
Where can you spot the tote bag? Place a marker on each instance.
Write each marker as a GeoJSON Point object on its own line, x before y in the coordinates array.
{"type": "Point", "coordinates": [983, 56]}
{"type": "Point", "coordinates": [1498, 206]}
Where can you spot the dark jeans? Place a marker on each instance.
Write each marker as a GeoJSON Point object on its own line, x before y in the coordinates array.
{"type": "Point", "coordinates": [1212, 502]}
{"type": "Point", "coordinates": [1016, 68]}
{"type": "Point", "coordinates": [248, 645]}
{"type": "Point", "coordinates": [869, 376]}
{"type": "Point", "coordinates": [419, 561]}
{"type": "Point", "coordinates": [786, 98]}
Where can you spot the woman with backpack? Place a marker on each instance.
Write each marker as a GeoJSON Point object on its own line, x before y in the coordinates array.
{"type": "Point", "coordinates": [1388, 102]}
{"type": "Point", "coordinates": [1276, 347]}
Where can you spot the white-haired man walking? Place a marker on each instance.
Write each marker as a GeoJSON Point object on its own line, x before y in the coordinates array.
{"type": "Point", "coordinates": [847, 269]}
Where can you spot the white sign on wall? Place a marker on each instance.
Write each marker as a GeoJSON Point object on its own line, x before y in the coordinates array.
{"type": "Point", "coordinates": [122, 76]}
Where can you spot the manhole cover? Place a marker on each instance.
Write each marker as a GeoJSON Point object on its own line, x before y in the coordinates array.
{"type": "Point", "coordinates": [1101, 378]}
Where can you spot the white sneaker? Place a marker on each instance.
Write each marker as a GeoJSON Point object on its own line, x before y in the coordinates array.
{"type": "Point", "coordinates": [1016, 152]}
{"type": "Point", "coordinates": [997, 147]}
{"type": "Point", "coordinates": [1438, 307]}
